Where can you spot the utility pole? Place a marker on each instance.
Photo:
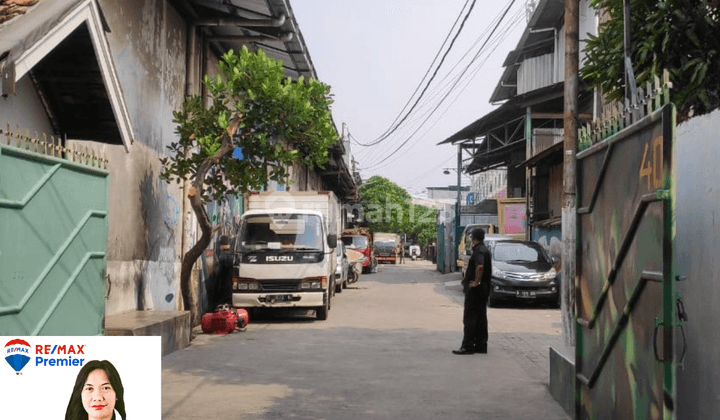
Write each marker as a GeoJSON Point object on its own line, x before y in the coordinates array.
{"type": "Point", "coordinates": [457, 205]}
{"type": "Point", "coordinates": [569, 211]}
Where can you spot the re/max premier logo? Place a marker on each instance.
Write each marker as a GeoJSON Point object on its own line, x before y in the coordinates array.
{"type": "Point", "coordinates": [45, 351]}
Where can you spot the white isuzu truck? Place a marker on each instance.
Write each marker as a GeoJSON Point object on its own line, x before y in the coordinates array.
{"type": "Point", "coordinates": [285, 251]}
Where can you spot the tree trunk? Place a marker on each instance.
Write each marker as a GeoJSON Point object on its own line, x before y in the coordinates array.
{"type": "Point", "coordinates": [195, 195]}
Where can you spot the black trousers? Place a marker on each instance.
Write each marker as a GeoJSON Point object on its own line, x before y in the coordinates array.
{"type": "Point", "coordinates": [475, 321]}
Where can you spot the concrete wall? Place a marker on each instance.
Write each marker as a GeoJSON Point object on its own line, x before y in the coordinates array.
{"type": "Point", "coordinates": [697, 241]}
{"type": "Point", "coordinates": [550, 238]}
{"type": "Point", "coordinates": [24, 110]}
{"type": "Point", "coordinates": [148, 44]}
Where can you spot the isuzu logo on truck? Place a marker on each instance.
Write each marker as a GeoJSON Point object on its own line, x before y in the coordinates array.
{"type": "Point", "coordinates": [279, 258]}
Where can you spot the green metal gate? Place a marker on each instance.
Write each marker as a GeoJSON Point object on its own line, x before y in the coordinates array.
{"type": "Point", "coordinates": [53, 239]}
{"type": "Point", "coordinates": [625, 299]}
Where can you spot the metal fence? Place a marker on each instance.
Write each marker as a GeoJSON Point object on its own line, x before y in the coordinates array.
{"type": "Point", "coordinates": [53, 236]}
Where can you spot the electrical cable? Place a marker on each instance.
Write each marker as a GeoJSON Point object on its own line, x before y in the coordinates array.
{"type": "Point", "coordinates": [393, 129]}
{"type": "Point", "coordinates": [427, 72]}
{"type": "Point", "coordinates": [496, 41]}
{"type": "Point", "coordinates": [453, 86]}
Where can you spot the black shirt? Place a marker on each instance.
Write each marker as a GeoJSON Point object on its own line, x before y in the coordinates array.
{"type": "Point", "coordinates": [480, 256]}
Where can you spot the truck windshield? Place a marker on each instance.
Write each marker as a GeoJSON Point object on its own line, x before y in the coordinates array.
{"type": "Point", "coordinates": [385, 245]}
{"type": "Point", "coordinates": [355, 242]}
{"type": "Point", "coordinates": [281, 231]}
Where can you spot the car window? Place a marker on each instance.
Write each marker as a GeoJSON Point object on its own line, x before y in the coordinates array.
{"type": "Point", "coordinates": [517, 252]}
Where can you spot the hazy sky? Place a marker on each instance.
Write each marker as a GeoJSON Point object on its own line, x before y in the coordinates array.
{"type": "Point", "coordinates": [374, 54]}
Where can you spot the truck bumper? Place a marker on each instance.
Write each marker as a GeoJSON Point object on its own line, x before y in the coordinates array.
{"type": "Point", "coordinates": [278, 300]}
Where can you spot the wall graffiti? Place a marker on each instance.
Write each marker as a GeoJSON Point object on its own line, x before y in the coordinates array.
{"type": "Point", "coordinates": [550, 239]}
{"type": "Point", "coordinates": [171, 215]}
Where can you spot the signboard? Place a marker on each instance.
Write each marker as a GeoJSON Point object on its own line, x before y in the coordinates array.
{"type": "Point", "coordinates": [60, 369]}
{"type": "Point", "coordinates": [512, 216]}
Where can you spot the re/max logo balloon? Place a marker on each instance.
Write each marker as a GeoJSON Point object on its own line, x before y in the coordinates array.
{"type": "Point", "coordinates": [18, 354]}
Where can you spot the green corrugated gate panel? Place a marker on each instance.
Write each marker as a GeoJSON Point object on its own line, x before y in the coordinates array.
{"type": "Point", "coordinates": [53, 241]}
{"type": "Point", "coordinates": [625, 301]}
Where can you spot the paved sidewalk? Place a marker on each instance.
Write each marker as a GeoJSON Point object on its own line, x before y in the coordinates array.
{"type": "Point", "coordinates": [531, 347]}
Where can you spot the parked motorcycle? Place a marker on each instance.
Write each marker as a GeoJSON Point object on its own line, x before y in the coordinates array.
{"type": "Point", "coordinates": [355, 263]}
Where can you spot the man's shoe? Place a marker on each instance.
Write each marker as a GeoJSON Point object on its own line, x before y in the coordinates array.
{"type": "Point", "coordinates": [481, 349]}
{"type": "Point", "coordinates": [463, 350]}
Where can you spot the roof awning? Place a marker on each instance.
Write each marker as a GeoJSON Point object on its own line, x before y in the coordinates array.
{"type": "Point", "coordinates": [545, 154]}
{"type": "Point", "coordinates": [89, 104]}
{"type": "Point", "coordinates": [508, 155]}
{"type": "Point", "coordinates": [510, 110]}
{"type": "Point", "coordinates": [267, 25]}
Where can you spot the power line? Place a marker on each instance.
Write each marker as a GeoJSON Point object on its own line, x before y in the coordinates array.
{"type": "Point", "coordinates": [496, 41]}
{"type": "Point", "coordinates": [427, 72]}
{"type": "Point", "coordinates": [453, 86]}
{"type": "Point", "coordinates": [427, 85]}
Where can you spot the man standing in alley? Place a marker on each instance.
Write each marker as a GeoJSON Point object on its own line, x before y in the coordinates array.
{"type": "Point", "coordinates": [476, 286]}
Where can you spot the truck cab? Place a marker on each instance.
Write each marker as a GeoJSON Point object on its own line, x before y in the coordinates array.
{"type": "Point", "coordinates": [360, 240]}
{"type": "Point", "coordinates": [284, 258]}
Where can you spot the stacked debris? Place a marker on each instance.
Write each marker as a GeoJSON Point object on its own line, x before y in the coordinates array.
{"type": "Point", "coordinates": [9, 9]}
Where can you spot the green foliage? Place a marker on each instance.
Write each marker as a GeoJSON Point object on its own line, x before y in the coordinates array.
{"type": "Point", "coordinates": [279, 122]}
{"type": "Point", "coordinates": [682, 36]}
{"type": "Point", "coordinates": [389, 208]}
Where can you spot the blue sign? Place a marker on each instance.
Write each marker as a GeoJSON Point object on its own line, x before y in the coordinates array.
{"type": "Point", "coordinates": [470, 199]}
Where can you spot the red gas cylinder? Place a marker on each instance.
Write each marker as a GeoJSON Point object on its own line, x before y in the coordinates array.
{"type": "Point", "coordinates": [243, 318]}
{"type": "Point", "coordinates": [224, 320]}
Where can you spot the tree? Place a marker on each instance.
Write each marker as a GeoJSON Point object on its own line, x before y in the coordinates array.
{"type": "Point", "coordinates": [388, 208]}
{"type": "Point", "coordinates": [274, 121]}
{"type": "Point", "coordinates": [682, 36]}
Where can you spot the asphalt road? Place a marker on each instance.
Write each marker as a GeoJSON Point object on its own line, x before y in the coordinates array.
{"type": "Point", "coordinates": [384, 353]}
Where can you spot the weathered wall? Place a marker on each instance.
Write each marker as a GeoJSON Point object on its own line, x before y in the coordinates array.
{"type": "Point", "coordinates": [148, 43]}
{"type": "Point", "coordinates": [550, 238]}
{"type": "Point", "coordinates": [697, 241]}
{"type": "Point", "coordinates": [24, 110]}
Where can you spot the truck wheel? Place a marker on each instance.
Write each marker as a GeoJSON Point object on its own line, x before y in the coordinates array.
{"type": "Point", "coordinates": [339, 287]}
{"type": "Point", "coordinates": [321, 312]}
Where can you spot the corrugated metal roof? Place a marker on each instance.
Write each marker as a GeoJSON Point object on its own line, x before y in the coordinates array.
{"type": "Point", "coordinates": [282, 41]}
{"type": "Point", "coordinates": [547, 15]}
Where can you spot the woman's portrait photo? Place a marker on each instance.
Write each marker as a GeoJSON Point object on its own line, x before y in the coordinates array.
{"type": "Point", "coordinates": [98, 393]}
{"type": "Point", "coordinates": [92, 378]}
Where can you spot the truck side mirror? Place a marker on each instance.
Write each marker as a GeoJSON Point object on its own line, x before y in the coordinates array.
{"type": "Point", "coordinates": [332, 241]}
